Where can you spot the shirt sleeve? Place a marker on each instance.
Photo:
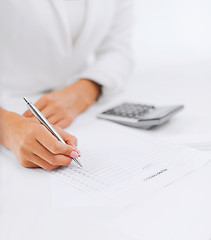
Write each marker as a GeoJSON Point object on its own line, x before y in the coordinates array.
{"type": "Point", "coordinates": [113, 61]}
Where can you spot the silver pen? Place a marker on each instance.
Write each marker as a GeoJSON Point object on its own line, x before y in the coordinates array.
{"type": "Point", "coordinates": [45, 122]}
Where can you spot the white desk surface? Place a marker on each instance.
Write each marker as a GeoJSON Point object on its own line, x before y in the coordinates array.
{"type": "Point", "coordinates": [26, 210]}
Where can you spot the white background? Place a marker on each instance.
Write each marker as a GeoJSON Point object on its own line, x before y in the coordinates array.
{"type": "Point", "coordinates": [172, 32]}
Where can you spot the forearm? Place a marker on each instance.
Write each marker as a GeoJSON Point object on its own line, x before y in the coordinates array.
{"type": "Point", "coordinates": [86, 93]}
{"type": "Point", "coordinates": [91, 89]}
{"type": "Point", "coordinates": [5, 118]}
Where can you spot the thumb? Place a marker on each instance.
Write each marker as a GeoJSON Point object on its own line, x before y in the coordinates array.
{"type": "Point", "coordinates": [28, 114]}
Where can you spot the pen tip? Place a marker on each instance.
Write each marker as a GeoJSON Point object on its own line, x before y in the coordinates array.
{"type": "Point", "coordinates": [80, 165]}
{"type": "Point", "coordinates": [76, 160]}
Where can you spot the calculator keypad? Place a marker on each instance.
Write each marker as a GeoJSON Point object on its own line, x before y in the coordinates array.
{"type": "Point", "coordinates": [130, 110]}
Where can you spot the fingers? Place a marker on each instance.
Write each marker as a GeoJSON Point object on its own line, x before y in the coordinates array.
{"type": "Point", "coordinates": [41, 157]}
{"type": "Point", "coordinates": [40, 104]}
{"type": "Point", "coordinates": [35, 146]}
{"type": "Point", "coordinates": [37, 161]}
{"type": "Point", "coordinates": [63, 123]}
{"type": "Point", "coordinates": [27, 113]}
{"type": "Point", "coordinates": [53, 159]}
{"type": "Point", "coordinates": [54, 118]}
{"type": "Point", "coordinates": [55, 109]}
{"type": "Point", "coordinates": [53, 145]}
{"type": "Point", "coordinates": [62, 119]}
{"type": "Point", "coordinates": [28, 164]}
{"type": "Point", "coordinates": [48, 111]}
{"type": "Point", "coordinates": [68, 138]}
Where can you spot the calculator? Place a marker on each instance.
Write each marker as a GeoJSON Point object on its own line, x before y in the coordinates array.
{"type": "Point", "coordinates": [140, 115]}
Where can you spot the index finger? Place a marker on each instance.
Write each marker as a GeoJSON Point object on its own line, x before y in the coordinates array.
{"type": "Point", "coordinates": [68, 138]}
{"type": "Point", "coordinates": [46, 139]}
{"type": "Point", "coordinates": [40, 105]}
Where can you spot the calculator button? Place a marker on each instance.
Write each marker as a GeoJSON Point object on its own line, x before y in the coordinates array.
{"type": "Point", "coordinates": [128, 110]}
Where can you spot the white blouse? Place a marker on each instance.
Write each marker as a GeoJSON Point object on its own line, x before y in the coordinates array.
{"type": "Point", "coordinates": [47, 45]}
{"type": "Point", "coordinates": [75, 14]}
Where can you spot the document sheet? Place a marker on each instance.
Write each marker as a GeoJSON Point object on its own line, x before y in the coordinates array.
{"type": "Point", "coordinates": [116, 158]}
{"type": "Point", "coordinates": [180, 212]}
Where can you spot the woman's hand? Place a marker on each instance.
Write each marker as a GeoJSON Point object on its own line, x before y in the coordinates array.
{"type": "Point", "coordinates": [34, 145]}
{"type": "Point", "coordinates": [61, 107]}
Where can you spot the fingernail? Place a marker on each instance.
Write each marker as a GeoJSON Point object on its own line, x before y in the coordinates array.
{"type": "Point", "coordinates": [77, 150]}
{"type": "Point", "coordinates": [74, 154]}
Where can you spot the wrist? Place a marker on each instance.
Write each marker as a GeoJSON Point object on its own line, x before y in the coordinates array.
{"type": "Point", "coordinates": [87, 91]}
{"type": "Point", "coordinates": [92, 87]}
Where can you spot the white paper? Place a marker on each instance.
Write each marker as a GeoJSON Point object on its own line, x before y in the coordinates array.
{"type": "Point", "coordinates": [202, 146]}
{"type": "Point", "coordinates": [179, 212]}
{"type": "Point", "coordinates": [124, 162]}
